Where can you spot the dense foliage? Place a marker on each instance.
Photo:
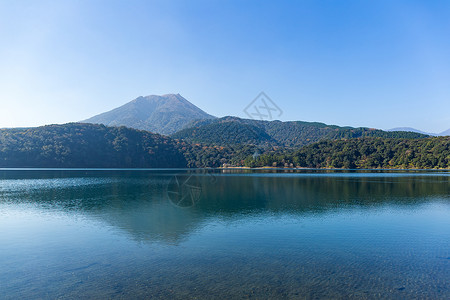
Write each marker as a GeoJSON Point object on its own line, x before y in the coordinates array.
{"type": "Point", "coordinates": [366, 153]}
{"type": "Point", "coordinates": [96, 146]}
{"type": "Point", "coordinates": [226, 133]}
{"type": "Point", "coordinates": [236, 131]}
{"type": "Point", "coordinates": [206, 156]}
{"type": "Point", "coordinates": [87, 145]}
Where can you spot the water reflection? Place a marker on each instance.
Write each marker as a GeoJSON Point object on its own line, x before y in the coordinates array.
{"type": "Point", "coordinates": [137, 202]}
{"type": "Point", "coordinates": [266, 234]}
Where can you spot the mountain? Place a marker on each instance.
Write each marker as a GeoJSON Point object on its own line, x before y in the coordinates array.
{"type": "Point", "coordinates": [164, 114]}
{"type": "Point", "coordinates": [445, 133]}
{"type": "Point", "coordinates": [234, 131]}
{"type": "Point", "coordinates": [410, 129]}
{"type": "Point", "coordinates": [225, 131]}
{"type": "Point", "coordinates": [79, 145]}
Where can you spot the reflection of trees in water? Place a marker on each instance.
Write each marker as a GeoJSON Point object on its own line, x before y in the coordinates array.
{"type": "Point", "coordinates": [137, 202]}
{"type": "Point", "coordinates": [315, 193]}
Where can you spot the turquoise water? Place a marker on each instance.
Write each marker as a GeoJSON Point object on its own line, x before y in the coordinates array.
{"type": "Point", "coordinates": [206, 234]}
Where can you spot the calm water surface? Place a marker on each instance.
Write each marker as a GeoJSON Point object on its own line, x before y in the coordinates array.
{"type": "Point", "coordinates": [178, 234]}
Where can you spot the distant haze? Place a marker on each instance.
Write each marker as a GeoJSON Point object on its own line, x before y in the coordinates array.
{"type": "Point", "coordinates": [444, 133]}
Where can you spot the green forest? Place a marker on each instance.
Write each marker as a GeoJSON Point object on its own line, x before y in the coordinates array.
{"type": "Point", "coordinates": [78, 145]}
{"type": "Point", "coordinates": [363, 153]}
{"type": "Point", "coordinates": [293, 134]}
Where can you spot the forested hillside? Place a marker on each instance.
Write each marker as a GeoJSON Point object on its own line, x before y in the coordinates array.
{"type": "Point", "coordinates": [226, 133]}
{"type": "Point", "coordinates": [206, 156]}
{"type": "Point", "coordinates": [87, 145]}
{"type": "Point", "coordinates": [235, 131]}
{"type": "Point", "coordinates": [78, 145]}
{"type": "Point", "coordinates": [364, 153]}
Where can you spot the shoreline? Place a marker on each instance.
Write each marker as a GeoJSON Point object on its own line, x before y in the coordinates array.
{"type": "Point", "coordinates": [211, 168]}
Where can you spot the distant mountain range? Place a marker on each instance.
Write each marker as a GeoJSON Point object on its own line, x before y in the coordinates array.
{"type": "Point", "coordinates": [173, 115]}
{"type": "Point", "coordinates": [410, 129]}
{"type": "Point", "coordinates": [164, 114]}
{"type": "Point", "coordinates": [445, 133]}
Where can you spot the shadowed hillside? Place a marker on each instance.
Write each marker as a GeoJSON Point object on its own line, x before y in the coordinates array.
{"type": "Point", "coordinates": [78, 145]}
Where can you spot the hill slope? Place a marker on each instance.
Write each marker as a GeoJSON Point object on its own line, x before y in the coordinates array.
{"type": "Point", "coordinates": [160, 114]}
{"type": "Point", "coordinates": [365, 153]}
{"type": "Point", "coordinates": [233, 130]}
{"type": "Point", "coordinates": [78, 145]}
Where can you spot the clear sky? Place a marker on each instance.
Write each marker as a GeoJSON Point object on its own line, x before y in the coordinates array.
{"type": "Point", "coordinates": [367, 63]}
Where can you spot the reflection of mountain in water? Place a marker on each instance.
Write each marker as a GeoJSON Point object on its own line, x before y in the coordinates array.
{"type": "Point", "coordinates": [136, 201]}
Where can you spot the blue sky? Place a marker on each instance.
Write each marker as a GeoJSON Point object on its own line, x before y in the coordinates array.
{"type": "Point", "coordinates": [377, 64]}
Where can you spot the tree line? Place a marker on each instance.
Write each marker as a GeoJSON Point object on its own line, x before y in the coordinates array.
{"type": "Point", "coordinates": [363, 153]}
{"type": "Point", "coordinates": [78, 145]}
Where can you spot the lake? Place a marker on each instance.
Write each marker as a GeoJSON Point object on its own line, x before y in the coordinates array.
{"type": "Point", "coordinates": [211, 234]}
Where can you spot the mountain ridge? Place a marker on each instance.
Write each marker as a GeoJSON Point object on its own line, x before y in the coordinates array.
{"type": "Point", "coordinates": [233, 130]}
{"type": "Point", "coordinates": [170, 114]}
